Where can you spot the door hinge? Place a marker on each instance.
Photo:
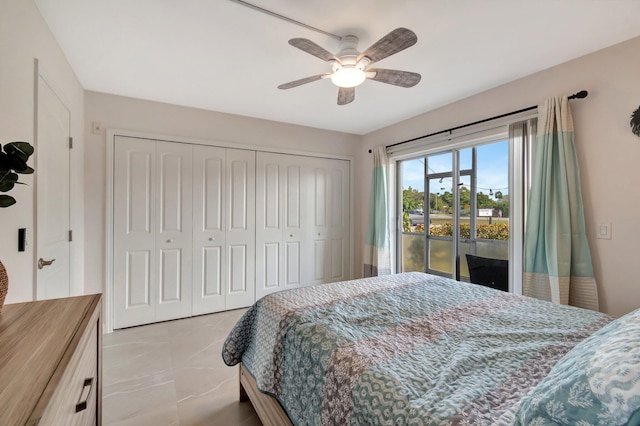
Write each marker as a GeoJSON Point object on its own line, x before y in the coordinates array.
{"type": "Point", "coordinates": [70, 142]}
{"type": "Point", "coordinates": [70, 235]}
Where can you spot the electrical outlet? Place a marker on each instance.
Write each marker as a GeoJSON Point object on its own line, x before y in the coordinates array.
{"type": "Point", "coordinates": [96, 128]}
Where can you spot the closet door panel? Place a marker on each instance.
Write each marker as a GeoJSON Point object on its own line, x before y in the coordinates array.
{"type": "Point", "coordinates": [174, 233]}
{"type": "Point", "coordinates": [134, 254]}
{"type": "Point", "coordinates": [269, 229]}
{"type": "Point", "coordinates": [319, 228]}
{"type": "Point", "coordinates": [294, 235]}
{"type": "Point", "coordinates": [279, 234]}
{"type": "Point", "coordinates": [328, 200]}
{"type": "Point", "coordinates": [338, 223]}
{"type": "Point", "coordinates": [269, 211]}
{"type": "Point", "coordinates": [209, 177]}
{"type": "Point", "coordinates": [240, 232]}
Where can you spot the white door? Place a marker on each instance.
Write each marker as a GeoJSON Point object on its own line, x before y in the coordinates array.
{"type": "Point", "coordinates": [302, 234]}
{"type": "Point", "coordinates": [134, 228]}
{"type": "Point", "coordinates": [152, 231]}
{"type": "Point", "coordinates": [240, 228]}
{"type": "Point", "coordinates": [209, 254]}
{"type": "Point", "coordinates": [174, 232]}
{"type": "Point", "coordinates": [280, 213]}
{"type": "Point", "coordinates": [52, 251]}
{"type": "Point", "coordinates": [329, 203]}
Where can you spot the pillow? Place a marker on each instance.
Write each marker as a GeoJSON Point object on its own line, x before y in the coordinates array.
{"type": "Point", "coordinates": [596, 383]}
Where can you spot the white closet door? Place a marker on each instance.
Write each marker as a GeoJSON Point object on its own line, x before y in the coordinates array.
{"type": "Point", "coordinates": [279, 237]}
{"type": "Point", "coordinates": [302, 234]}
{"type": "Point", "coordinates": [134, 257]}
{"type": "Point", "coordinates": [240, 228]}
{"type": "Point", "coordinates": [209, 265]}
{"type": "Point", "coordinates": [174, 236]}
{"type": "Point", "coordinates": [338, 228]}
{"type": "Point", "coordinates": [152, 231]}
{"type": "Point", "coordinates": [329, 201]}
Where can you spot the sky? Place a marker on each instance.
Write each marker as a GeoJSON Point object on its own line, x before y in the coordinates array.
{"type": "Point", "coordinates": [492, 174]}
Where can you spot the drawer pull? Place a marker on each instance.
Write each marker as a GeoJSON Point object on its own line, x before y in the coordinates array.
{"type": "Point", "coordinates": [84, 395]}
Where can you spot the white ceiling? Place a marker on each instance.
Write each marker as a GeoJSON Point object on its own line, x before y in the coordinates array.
{"type": "Point", "coordinates": [219, 55]}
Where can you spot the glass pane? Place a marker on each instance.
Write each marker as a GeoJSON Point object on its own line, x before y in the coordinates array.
{"type": "Point", "coordinates": [412, 252]}
{"type": "Point", "coordinates": [493, 191]}
{"type": "Point", "coordinates": [412, 194]}
{"type": "Point", "coordinates": [490, 249]}
{"type": "Point", "coordinates": [440, 254]}
{"type": "Point", "coordinates": [439, 163]}
{"type": "Point", "coordinates": [440, 224]}
{"type": "Point", "coordinates": [412, 183]}
{"type": "Point", "coordinates": [493, 249]}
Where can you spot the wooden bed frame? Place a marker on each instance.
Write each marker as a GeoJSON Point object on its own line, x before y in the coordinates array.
{"type": "Point", "coordinates": [268, 408]}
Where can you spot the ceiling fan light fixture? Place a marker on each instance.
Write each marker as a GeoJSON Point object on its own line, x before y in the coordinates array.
{"type": "Point", "coordinates": [348, 77]}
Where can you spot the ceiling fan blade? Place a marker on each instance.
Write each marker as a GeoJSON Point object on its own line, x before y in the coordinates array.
{"type": "Point", "coordinates": [394, 42]}
{"type": "Point", "coordinates": [312, 48]}
{"type": "Point", "coordinates": [302, 81]}
{"type": "Point", "coordinates": [346, 95]}
{"type": "Point", "coordinates": [395, 77]}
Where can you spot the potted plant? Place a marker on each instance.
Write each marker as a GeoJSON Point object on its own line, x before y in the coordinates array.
{"type": "Point", "coordinates": [13, 161]}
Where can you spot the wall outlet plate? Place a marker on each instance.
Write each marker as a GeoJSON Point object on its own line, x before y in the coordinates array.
{"type": "Point", "coordinates": [603, 230]}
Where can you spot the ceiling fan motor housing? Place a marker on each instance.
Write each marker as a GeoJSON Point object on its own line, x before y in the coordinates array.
{"type": "Point", "coordinates": [348, 54]}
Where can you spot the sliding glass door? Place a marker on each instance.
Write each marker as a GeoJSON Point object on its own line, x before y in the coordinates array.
{"type": "Point", "coordinates": [455, 202]}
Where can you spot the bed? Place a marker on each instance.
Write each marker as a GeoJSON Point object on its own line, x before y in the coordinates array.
{"type": "Point", "coordinates": [417, 349]}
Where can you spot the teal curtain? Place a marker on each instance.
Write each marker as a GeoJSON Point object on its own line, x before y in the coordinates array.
{"type": "Point", "coordinates": [377, 253]}
{"type": "Point", "coordinates": [557, 261]}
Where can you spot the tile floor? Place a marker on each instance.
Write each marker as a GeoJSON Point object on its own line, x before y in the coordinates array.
{"type": "Point", "coordinates": [172, 373]}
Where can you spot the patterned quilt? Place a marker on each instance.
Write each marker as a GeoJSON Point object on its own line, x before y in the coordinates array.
{"type": "Point", "coordinates": [405, 349]}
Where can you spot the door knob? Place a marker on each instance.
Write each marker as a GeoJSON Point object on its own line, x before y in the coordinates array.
{"type": "Point", "coordinates": [42, 263]}
{"type": "Point", "coordinates": [169, 240]}
{"type": "Point", "coordinates": [211, 239]}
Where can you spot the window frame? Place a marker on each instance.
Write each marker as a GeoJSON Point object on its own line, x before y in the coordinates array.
{"type": "Point", "coordinates": [518, 188]}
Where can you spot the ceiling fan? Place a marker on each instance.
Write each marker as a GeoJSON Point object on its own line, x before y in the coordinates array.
{"type": "Point", "coordinates": [350, 67]}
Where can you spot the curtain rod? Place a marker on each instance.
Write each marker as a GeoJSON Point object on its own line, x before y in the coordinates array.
{"type": "Point", "coordinates": [580, 95]}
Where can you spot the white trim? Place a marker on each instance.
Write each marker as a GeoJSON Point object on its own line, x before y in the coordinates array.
{"type": "Point", "coordinates": [223, 144]}
{"type": "Point", "coordinates": [516, 215]}
{"type": "Point", "coordinates": [111, 135]}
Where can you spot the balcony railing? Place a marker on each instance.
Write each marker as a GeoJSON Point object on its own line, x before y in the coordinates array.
{"type": "Point", "coordinates": [440, 252]}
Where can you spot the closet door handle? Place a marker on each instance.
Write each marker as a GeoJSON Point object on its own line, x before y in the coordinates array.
{"type": "Point", "coordinates": [170, 240]}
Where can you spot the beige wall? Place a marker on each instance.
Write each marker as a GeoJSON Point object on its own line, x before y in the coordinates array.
{"type": "Point", "coordinates": [24, 36]}
{"type": "Point", "coordinates": [170, 120]}
{"type": "Point", "coordinates": [607, 151]}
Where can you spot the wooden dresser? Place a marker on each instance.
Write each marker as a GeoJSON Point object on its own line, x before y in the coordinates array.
{"type": "Point", "coordinates": [51, 362]}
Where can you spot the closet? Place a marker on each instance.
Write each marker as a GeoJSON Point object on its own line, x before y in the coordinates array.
{"type": "Point", "coordinates": [200, 229]}
{"type": "Point", "coordinates": [184, 230]}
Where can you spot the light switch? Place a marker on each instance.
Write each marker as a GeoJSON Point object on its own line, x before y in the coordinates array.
{"type": "Point", "coordinates": [604, 230]}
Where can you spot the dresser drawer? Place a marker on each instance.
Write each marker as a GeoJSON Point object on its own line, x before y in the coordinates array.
{"type": "Point", "coordinates": [74, 401]}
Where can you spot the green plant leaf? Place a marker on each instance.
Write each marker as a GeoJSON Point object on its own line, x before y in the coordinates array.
{"type": "Point", "coordinates": [4, 162]}
{"type": "Point", "coordinates": [7, 200]}
{"type": "Point", "coordinates": [16, 163]}
{"type": "Point", "coordinates": [7, 181]}
{"type": "Point", "coordinates": [26, 171]}
{"type": "Point", "coordinates": [22, 150]}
